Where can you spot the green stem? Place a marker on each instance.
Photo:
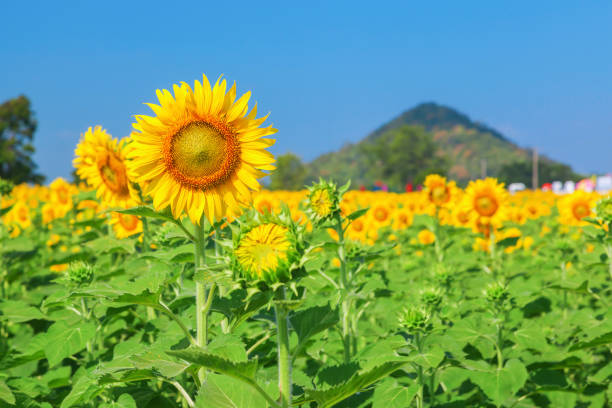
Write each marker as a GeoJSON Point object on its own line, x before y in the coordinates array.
{"type": "Point", "coordinates": [145, 234]}
{"type": "Point", "coordinates": [344, 285]}
{"type": "Point", "coordinates": [420, 379]}
{"type": "Point", "coordinates": [201, 315]}
{"type": "Point", "coordinates": [284, 357]}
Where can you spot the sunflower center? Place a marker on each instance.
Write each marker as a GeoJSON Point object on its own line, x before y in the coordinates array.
{"type": "Point", "coordinates": [581, 210]}
{"type": "Point", "coordinates": [112, 172]}
{"type": "Point", "coordinates": [486, 205]}
{"type": "Point", "coordinates": [263, 248]}
{"type": "Point", "coordinates": [200, 154]}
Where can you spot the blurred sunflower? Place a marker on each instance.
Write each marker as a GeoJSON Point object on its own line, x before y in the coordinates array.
{"type": "Point", "coordinates": [125, 225]}
{"type": "Point", "coordinates": [202, 153]}
{"type": "Point", "coordinates": [487, 200]}
{"type": "Point", "coordinates": [439, 191]}
{"type": "Point", "coordinates": [576, 206]}
{"type": "Point", "coordinates": [100, 160]}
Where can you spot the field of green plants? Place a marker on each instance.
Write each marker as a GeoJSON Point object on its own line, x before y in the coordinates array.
{"type": "Point", "coordinates": [88, 319]}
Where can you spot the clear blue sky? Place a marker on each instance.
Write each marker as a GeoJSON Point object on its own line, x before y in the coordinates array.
{"type": "Point", "coordinates": [329, 73]}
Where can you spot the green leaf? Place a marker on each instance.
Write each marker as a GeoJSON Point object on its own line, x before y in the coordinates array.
{"type": "Point", "coordinates": [240, 370]}
{"type": "Point", "coordinates": [64, 340]}
{"type": "Point", "coordinates": [330, 397]}
{"type": "Point", "coordinates": [159, 361]}
{"type": "Point", "coordinates": [507, 242]}
{"type": "Point", "coordinates": [220, 391]}
{"type": "Point", "coordinates": [596, 342]}
{"type": "Point", "coordinates": [108, 244]}
{"type": "Point", "coordinates": [501, 384]}
{"type": "Point", "coordinates": [356, 214]}
{"type": "Point", "coordinates": [5, 393]}
{"type": "Point", "coordinates": [83, 390]}
{"type": "Point", "coordinates": [311, 321]}
{"type": "Point", "coordinates": [392, 394]}
{"type": "Point", "coordinates": [18, 311]}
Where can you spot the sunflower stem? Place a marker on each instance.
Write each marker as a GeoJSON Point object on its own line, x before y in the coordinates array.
{"type": "Point", "coordinates": [284, 357]}
{"type": "Point", "coordinates": [344, 283]}
{"type": "Point", "coordinates": [201, 312]}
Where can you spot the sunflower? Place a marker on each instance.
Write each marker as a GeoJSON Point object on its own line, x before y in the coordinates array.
{"type": "Point", "coordinates": [487, 200]}
{"type": "Point", "coordinates": [125, 225]}
{"type": "Point", "coordinates": [576, 206]}
{"type": "Point", "coordinates": [61, 195]}
{"type": "Point", "coordinates": [426, 237]}
{"type": "Point", "coordinates": [439, 192]}
{"type": "Point", "coordinates": [380, 213]}
{"type": "Point", "coordinates": [265, 252]}
{"type": "Point", "coordinates": [202, 153]}
{"type": "Point", "coordinates": [100, 160]}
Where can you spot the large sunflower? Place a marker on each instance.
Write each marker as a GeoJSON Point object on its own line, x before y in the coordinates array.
{"type": "Point", "coordinates": [487, 199]}
{"type": "Point", "coordinates": [202, 153]}
{"type": "Point", "coordinates": [576, 206]}
{"type": "Point", "coordinates": [100, 160]}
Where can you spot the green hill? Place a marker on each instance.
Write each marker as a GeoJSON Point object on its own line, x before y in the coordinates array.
{"type": "Point", "coordinates": [463, 143]}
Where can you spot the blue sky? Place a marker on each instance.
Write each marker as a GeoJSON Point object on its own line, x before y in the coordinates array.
{"type": "Point", "coordinates": [329, 72]}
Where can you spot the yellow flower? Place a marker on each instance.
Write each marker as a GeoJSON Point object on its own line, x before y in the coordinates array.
{"type": "Point", "coordinates": [21, 215]}
{"type": "Point", "coordinates": [125, 225]}
{"type": "Point", "coordinates": [576, 206]}
{"type": "Point", "coordinates": [426, 237]}
{"type": "Point", "coordinates": [264, 251]}
{"type": "Point", "coordinates": [380, 214]}
{"type": "Point", "coordinates": [100, 160]}
{"type": "Point", "coordinates": [487, 200]}
{"type": "Point", "coordinates": [202, 153]}
{"type": "Point", "coordinates": [438, 191]}
{"type": "Point", "coordinates": [53, 239]}
{"type": "Point", "coordinates": [321, 202]}
{"type": "Point", "coordinates": [61, 196]}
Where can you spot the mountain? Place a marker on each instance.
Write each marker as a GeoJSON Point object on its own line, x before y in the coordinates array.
{"type": "Point", "coordinates": [467, 145]}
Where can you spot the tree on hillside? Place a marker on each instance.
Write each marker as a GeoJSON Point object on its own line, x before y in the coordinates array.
{"type": "Point", "coordinates": [17, 127]}
{"type": "Point", "coordinates": [290, 173]}
{"type": "Point", "coordinates": [405, 154]}
{"type": "Point", "coordinates": [521, 172]}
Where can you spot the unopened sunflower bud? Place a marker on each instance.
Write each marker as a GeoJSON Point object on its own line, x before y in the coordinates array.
{"type": "Point", "coordinates": [323, 200]}
{"type": "Point", "coordinates": [496, 293]}
{"type": "Point", "coordinates": [415, 319]}
{"type": "Point", "coordinates": [431, 297]}
{"type": "Point", "coordinates": [81, 273]}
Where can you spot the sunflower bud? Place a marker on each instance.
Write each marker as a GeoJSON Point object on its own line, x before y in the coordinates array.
{"type": "Point", "coordinates": [496, 293]}
{"type": "Point", "coordinates": [267, 251]}
{"type": "Point", "coordinates": [81, 273]}
{"type": "Point", "coordinates": [441, 276]}
{"type": "Point", "coordinates": [604, 209]}
{"type": "Point", "coordinates": [431, 297]}
{"type": "Point", "coordinates": [415, 319]}
{"type": "Point", "coordinates": [323, 200]}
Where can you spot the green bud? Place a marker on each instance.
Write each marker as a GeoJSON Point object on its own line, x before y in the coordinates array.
{"type": "Point", "coordinates": [441, 275]}
{"type": "Point", "coordinates": [80, 273]}
{"type": "Point", "coordinates": [415, 319]}
{"type": "Point", "coordinates": [496, 293]}
{"type": "Point", "coordinates": [431, 297]}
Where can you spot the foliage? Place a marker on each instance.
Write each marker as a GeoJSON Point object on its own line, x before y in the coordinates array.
{"type": "Point", "coordinates": [372, 318]}
{"type": "Point", "coordinates": [17, 127]}
{"type": "Point", "coordinates": [548, 171]}
{"type": "Point", "coordinates": [290, 173]}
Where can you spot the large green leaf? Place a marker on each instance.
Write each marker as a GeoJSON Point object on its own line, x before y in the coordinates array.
{"type": "Point", "coordinates": [64, 340]}
{"type": "Point", "coordinates": [329, 397]}
{"type": "Point", "coordinates": [221, 391]}
{"type": "Point", "coordinates": [392, 394]}
{"type": "Point", "coordinates": [83, 390]}
{"type": "Point", "coordinates": [18, 311]}
{"type": "Point", "coordinates": [501, 384]}
{"type": "Point", "coordinates": [311, 321]}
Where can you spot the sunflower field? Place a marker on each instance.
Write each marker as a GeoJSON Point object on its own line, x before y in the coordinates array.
{"type": "Point", "coordinates": [167, 278]}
